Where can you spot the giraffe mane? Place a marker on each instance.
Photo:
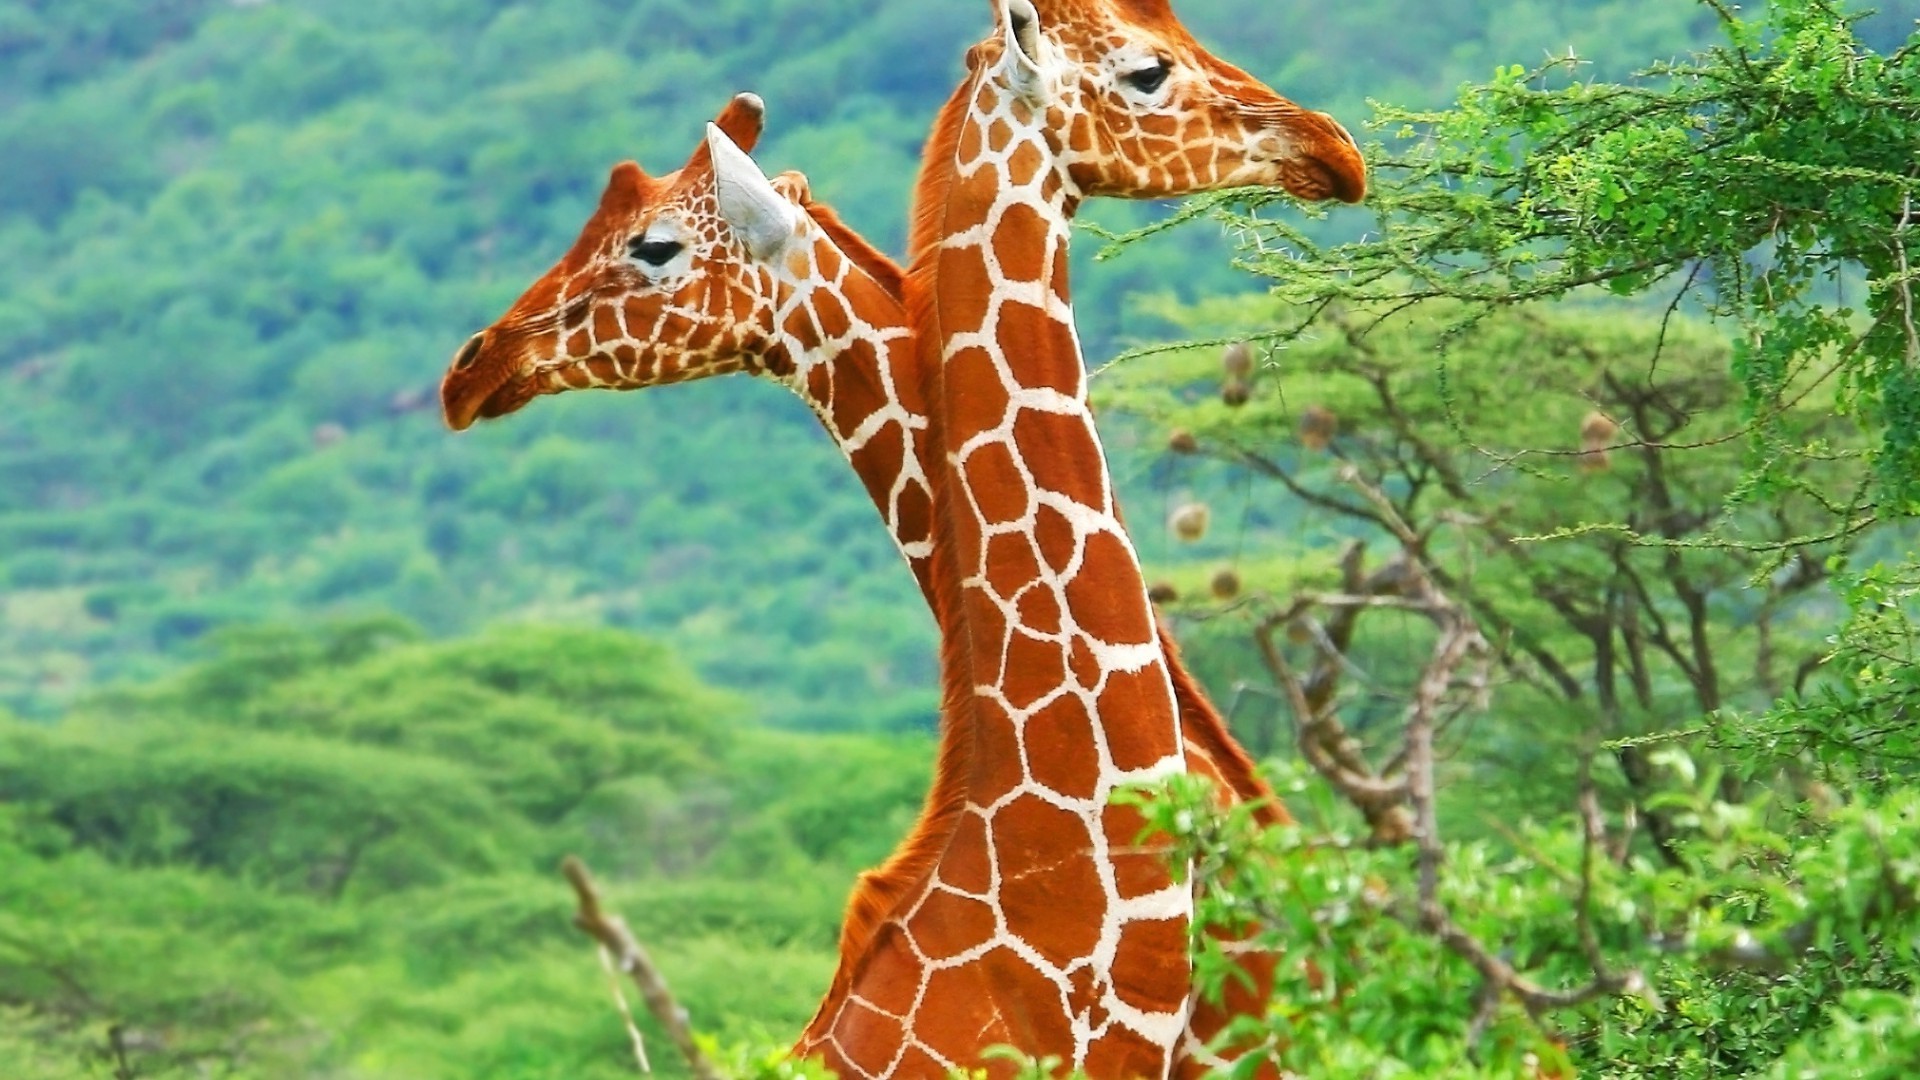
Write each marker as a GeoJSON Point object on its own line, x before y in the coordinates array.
{"type": "Point", "coordinates": [936, 173]}
{"type": "Point", "coordinates": [875, 263]}
{"type": "Point", "coordinates": [879, 892]}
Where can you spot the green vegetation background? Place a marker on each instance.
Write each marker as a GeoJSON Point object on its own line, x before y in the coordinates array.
{"type": "Point", "coordinates": [240, 239]}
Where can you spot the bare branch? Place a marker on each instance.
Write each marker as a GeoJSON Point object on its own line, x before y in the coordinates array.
{"type": "Point", "coordinates": [1457, 643]}
{"type": "Point", "coordinates": [618, 942]}
{"type": "Point", "coordinates": [1327, 747]}
{"type": "Point", "coordinates": [1460, 659]}
{"type": "Point", "coordinates": [1903, 282]}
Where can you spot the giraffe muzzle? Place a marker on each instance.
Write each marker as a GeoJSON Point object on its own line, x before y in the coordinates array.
{"type": "Point", "coordinates": [1343, 166]}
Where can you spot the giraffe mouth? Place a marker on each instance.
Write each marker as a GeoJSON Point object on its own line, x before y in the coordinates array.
{"type": "Point", "coordinates": [509, 398]}
{"type": "Point", "coordinates": [482, 390]}
{"type": "Point", "coordinates": [1325, 181]}
{"type": "Point", "coordinates": [1339, 170]}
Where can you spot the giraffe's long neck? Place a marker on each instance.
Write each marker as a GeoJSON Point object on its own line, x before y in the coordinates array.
{"type": "Point", "coordinates": [1071, 693]}
{"type": "Point", "coordinates": [844, 351]}
{"type": "Point", "coordinates": [843, 345]}
{"type": "Point", "coordinates": [843, 348]}
{"type": "Point", "coordinates": [845, 356]}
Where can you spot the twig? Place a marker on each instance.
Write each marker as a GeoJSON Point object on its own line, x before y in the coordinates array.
{"type": "Point", "coordinates": [1322, 742]}
{"type": "Point", "coordinates": [117, 1043]}
{"type": "Point", "coordinates": [618, 942]}
{"type": "Point", "coordinates": [1905, 278]}
{"type": "Point", "coordinates": [1460, 643]}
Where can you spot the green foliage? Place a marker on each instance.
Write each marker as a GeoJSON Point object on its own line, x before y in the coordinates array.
{"type": "Point", "coordinates": [329, 852]}
{"type": "Point", "coordinates": [282, 810]}
{"type": "Point", "coordinates": [1797, 940]}
{"type": "Point", "coordinates": [243, 237]}
{"type": "Point", "coordinates": [1621, 377]}
{"type": "Point", "coordinates": [1626, 596]}
{"type": "Point", "coordinates": [1764, 176]}
{"type": "Point", "coordinates": [38, 1049]}
{"type": "Point", "coordinates": [746, 1062]}
{"type": "Point", "coordinates": [1854, 727]}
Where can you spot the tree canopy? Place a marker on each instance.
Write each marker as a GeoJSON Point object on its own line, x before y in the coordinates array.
{"type": "Point", "coordinates": [1597, 659]}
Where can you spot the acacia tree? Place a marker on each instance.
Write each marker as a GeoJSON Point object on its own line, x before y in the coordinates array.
{"type": "Point", "coordinates": [1514, 499]}
{"type": "Point", "coordinates": [1605, 696]}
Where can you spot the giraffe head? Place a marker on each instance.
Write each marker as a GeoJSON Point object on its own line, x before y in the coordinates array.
{"type": "Point", "coordinates": [673, 278]}
{"type": "Point", "coordinates": [1135, 107]}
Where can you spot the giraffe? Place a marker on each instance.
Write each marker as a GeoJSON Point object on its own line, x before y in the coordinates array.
{"type": "Point", "coordinates": [598, 319]}
{"type": "Point", "coordinates": [1090, 97]}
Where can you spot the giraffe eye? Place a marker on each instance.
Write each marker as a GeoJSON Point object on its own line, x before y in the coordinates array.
{"type": "Point", "coordinates": [654, 252]}
{"type": "Point", "coordinates": [1148, 79]}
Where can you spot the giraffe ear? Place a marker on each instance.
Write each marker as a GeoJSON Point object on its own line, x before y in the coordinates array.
{"type": "Point", "coordinates": [764, 221]}
{"type": "Point", "coordinates": [1020, 23]}
{"type": "Point", "coordinates": [793, 186]}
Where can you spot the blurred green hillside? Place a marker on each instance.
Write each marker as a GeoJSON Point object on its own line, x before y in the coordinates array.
{"type": "Point", "coordinates": [330, 852]}
{"type": "Point", "coordinates": [242, 239]}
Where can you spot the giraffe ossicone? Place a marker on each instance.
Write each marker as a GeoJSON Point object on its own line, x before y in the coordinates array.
{"type": "Point", "coordinates": [1024, 48]}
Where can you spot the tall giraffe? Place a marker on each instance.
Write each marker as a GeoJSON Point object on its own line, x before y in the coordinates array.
{"type": "Point", "coordinates": [604, 317]}
{"type": "Point", "coordinates": [1096, 97]}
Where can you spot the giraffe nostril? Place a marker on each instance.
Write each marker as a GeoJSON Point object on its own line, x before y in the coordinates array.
{"type": "Point", "coordinates": [1340, 129]}
{"type": "Point", "coordinates": [469, 352]}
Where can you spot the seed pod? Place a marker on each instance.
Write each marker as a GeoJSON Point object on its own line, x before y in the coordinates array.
{"type": "Point", "coordinates": [1183, 442]}
{"type": "Point", "coordinates": [1237, 361]}
{"type": "Point", "coordinates": [1598, 428]}
{"type": "Point", "coordinates": [1235, 392]}
{"type": "Point", "coordinates": [1596, 435]}
{"type": "Point", "coordinates": [1225, 584]}
{"type": "Point", "coordinates": [1162, 592]}
{"type": "Point", "coordinates": [1318, 424]}
{"type": "Point", "coordinates": [1190, 521]}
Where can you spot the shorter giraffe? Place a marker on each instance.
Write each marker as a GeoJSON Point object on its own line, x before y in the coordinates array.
{"type": "Point", "coordinates": [853, 372]}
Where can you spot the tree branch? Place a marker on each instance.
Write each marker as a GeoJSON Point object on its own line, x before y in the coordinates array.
{"type": "Point", "coordinates": [618, 943]}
